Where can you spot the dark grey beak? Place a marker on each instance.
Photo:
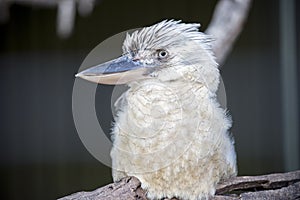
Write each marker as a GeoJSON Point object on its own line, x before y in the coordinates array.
{"type": "Point", "coordinates": [118, 71]}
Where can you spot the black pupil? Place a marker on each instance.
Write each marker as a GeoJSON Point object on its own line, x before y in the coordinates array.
{"type": "Point", "coordinates": [162, 53]}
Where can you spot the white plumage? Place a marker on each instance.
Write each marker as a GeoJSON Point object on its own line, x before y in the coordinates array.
{"type": "Point", "coordinates": [170, 131]}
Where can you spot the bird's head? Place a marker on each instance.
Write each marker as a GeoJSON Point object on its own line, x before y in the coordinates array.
{"type": "Point", "coordinates": [167, 51]}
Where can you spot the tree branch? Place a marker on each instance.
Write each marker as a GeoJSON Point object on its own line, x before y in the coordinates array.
{"type": "Point", "coordinates": [66, 11]}
{"type": "Point", "coordinates": [274, 186]}
{"type": "Point", "coordinates": [128, 188]}
{"type": "Point", "coordinates": [226, 25]}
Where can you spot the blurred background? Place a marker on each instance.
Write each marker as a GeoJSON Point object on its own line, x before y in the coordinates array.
{"type": "Point", "coordinates": [43, 44]}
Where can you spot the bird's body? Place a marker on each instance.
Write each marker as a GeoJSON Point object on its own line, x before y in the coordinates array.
{"type": "Point", "coordinates": [170, 131]}
{"type": "Point", "coordinates": [181, 155]}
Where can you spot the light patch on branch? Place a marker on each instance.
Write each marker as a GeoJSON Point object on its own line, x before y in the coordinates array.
{"type": "Point", "coordinates": [226, 25]}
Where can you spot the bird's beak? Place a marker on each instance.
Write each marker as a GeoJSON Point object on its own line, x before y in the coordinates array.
{"type": "Point", "coordinates": [118, 71]}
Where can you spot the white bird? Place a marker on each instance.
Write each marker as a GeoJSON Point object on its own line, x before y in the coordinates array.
{"type": "Point", "coordinates": [170, 131]}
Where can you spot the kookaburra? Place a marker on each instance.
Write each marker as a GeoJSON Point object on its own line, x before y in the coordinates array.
{"type": "Point", "coordinates": [170, 131]}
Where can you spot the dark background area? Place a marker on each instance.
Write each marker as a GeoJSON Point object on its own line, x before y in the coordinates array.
{"type": "Point", "coordinates": [41, 155]}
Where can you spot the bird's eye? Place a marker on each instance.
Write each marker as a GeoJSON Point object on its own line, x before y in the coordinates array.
{"type": "Point", "coordinates": [162, 54]}
{"type": "Point", "coordinates": [132, 53]}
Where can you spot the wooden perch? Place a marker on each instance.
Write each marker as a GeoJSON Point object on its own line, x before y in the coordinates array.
{"type": "Point", "coordinates": [274, 186]}
{"type": "Point", "coordinates": [129, 188]}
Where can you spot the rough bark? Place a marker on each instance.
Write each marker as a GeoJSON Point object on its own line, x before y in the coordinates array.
{"type": "Point", "coordinates": [274, 186]}
{"type": "Point", "coordinates": [129, 188]}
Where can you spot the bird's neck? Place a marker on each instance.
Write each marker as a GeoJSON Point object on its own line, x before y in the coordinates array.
{"type": "Point", "coordinates": [153, 112]}
{"type": "Point", "coordinates": [154, 106]}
